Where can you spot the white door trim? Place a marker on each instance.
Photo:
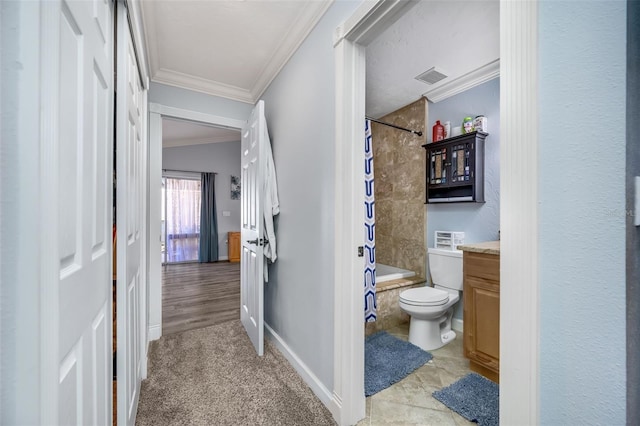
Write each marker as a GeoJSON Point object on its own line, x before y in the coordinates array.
{"type": "Point", "coordinates": [519, 361]}
{"type": "Point", "coordinates": [156, 112]}
{"type": "Point", "coordinates": [519, 290]}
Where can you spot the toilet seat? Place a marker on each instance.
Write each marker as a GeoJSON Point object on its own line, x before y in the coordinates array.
{"type": "Point", "coordinates": [424, 296]}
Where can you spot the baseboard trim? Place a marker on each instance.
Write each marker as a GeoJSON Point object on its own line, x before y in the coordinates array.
{"type": "Point", "coordinates": [223, 257]}
{"type": "Point", "coordinates": [457, 324]}
{"type": "Point", "coordinates": [307, 375]}
{"type": "Point", "coordinates": [155, 332]}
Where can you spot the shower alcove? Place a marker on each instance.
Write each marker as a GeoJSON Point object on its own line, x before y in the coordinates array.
{"type": "Point", "coordinates": [399, 173]}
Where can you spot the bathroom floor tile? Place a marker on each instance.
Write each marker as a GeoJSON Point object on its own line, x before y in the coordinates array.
{"type": "Point", "coordinates": [409, 402]}
{"type": "Point", "coordinates": [391, 413]}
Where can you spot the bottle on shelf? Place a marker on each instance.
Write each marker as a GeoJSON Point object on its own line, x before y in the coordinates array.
{"type": "Point", "coordinates": [438, 132]}
{"type": "Point", "coordinates": [447, 129]}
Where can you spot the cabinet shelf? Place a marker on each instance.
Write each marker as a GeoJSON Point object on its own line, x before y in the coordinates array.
{"type": "Point", "coordinates": [455, 169]}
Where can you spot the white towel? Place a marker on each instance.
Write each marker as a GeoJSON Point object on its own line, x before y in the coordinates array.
{"type": "Point", "coordinates": [271, 205]}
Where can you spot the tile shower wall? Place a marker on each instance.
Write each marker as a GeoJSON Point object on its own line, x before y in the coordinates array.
{"type": "Point", "coordinates": [400, 189]}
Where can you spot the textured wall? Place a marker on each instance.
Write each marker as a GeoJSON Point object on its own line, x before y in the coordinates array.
{"type": "Point", "coordinates": [399, 169]}
{"type": "Point", "coordinates": [582, 212]}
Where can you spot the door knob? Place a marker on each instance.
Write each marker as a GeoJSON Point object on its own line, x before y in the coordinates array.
{"type": "Point", "coordinates": [253, 241]}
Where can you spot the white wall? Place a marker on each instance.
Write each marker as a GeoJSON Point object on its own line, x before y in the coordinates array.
{"type": "Point", "coordinates": [301, 118]}
{"type": "Point", "coordinates": [582, 212]}
{"type": "Point", "coordinates": [223, 159]}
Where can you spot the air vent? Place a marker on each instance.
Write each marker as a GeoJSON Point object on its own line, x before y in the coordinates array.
{"type": "Point", "coordinates": [432, 76]}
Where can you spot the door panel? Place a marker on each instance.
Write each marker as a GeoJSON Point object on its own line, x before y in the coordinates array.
{"type": "Point", "coordinates": [130, 169]}
{"type": "Point", "coordinates": [83, 199]}
{"type": "Point", "coordinates": [252, 234]}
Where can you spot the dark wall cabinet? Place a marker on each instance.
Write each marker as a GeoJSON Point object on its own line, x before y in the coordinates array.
{"type": "Point", "coordinates": [455, 169]}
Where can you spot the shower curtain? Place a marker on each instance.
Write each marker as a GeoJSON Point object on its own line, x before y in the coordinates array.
{"type": "Point", "coordinates": [370, 230]}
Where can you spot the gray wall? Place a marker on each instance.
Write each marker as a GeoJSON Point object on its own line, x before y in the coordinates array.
{"type": "Point", "coordinates": [582, 212]}
{"type": "Point", "coordinates": [300, 114]}
{"type": "Point", "coordinates": [479, 221]}
{"type": "Point", "coordinates": [223, 159]}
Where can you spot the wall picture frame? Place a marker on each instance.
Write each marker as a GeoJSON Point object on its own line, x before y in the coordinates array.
{"type": "Point", "coordinates": [235, 187]}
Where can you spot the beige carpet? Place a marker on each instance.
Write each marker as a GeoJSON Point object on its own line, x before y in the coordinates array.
{"type": "Point", "coordinates": [212, 376]}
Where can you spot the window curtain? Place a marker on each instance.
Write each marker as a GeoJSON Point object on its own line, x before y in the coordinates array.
{"type": "Point", "coordinates": [208, 220]}
{"type": "Point", "coordinates": [369, 229]}
{"type": "Point", "coordinates": [183, 219]}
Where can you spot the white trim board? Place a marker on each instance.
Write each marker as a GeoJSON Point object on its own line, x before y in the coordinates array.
{"type": "Point", "coordinates": [320, 390]}
{"type": "Point", "coordinates": [519, 309]}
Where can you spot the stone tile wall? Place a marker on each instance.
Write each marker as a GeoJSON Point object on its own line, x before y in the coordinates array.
{"type": "Point", "coordinates": [399, 167]}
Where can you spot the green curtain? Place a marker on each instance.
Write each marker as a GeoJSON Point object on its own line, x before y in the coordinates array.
{"type": "Point", "coordinates": [208, 220]}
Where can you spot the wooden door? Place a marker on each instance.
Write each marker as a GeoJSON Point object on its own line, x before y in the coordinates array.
{"type": "Point", "coordinates": [252, 234]}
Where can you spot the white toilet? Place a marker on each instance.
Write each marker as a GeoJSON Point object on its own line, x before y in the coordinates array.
{"type": "Point", "coordinates": [431, 308]}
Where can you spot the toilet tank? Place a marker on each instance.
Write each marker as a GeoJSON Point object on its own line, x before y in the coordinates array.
{"type": "Point", "coordinates": [446, 268]}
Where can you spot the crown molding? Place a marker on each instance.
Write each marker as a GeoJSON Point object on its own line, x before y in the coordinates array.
{"type": "Point", "coordinates": [203, 85]}
{"type": "Point", "coordinates": [464, 82]}
{"type": "Point", "coordinates": [173, 143]}
{"type": "Point", "coordinates": [305, 22]}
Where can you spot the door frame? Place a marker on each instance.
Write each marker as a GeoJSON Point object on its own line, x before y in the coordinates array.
{"type": "Point", "coordinates": [520, 308]}
{"type": "Point", "coordinates": [156, 112]}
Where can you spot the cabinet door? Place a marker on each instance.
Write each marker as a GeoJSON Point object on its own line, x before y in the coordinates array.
{"type": "Point", "coordinates": [482, 321]}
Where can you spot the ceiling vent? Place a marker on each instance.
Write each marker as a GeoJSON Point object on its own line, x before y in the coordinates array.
{"type": "Point", "coordinates": [432, 76]}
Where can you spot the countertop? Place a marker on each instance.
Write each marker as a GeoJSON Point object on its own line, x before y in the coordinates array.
{"type": "Point", "coordinates": [489, 247]}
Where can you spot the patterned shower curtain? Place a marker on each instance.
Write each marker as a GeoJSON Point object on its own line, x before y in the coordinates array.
{"type": "Point", "coordinates": [370, 230]}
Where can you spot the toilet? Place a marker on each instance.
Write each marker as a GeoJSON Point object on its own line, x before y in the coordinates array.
{"type": "Point", "coordinates": [431, 308]}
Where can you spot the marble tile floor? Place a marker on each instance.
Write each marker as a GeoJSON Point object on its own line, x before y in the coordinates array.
{"type": "Point", "coordinates": [409, 402]}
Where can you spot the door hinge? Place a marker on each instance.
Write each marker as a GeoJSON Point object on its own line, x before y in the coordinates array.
{"type": "Point", "coordinates": [360, 251]}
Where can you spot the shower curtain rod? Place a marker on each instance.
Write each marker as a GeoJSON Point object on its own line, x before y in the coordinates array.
{"type": "Point", "coordinates": [415, 132]}
{"type": "Point", "coordinates": [186, 171]}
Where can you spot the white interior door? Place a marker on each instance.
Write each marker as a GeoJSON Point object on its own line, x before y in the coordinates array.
{"type": "Point", "coordinates": [252, 234]}
{"type": "Point", "coordinates": [130, 196]}
{"type": "Point", "coordinates": [78, 162]}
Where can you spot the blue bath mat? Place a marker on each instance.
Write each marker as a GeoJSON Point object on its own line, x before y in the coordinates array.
{"type": "Point", "coordinates": [473, 397]}
{"type": "Point", "coordinates": [388, 360]}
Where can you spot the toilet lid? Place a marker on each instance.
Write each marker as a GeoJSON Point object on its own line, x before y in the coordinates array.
{"type": "Point", "coordinates": [424, 296]}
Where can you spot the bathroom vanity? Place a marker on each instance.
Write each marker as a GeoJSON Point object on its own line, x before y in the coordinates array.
{"type": "Point", "coordinates": [481, 298]}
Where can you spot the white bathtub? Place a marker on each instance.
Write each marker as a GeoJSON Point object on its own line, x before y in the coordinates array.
{"type": "Point", "coordinates": [388, 273]}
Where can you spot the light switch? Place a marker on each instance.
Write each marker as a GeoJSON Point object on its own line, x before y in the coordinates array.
{"type": "Point", "coordinates": [226, 213]}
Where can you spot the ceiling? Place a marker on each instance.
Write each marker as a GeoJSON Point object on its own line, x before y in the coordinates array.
{"type": "Point", "coordinates": [182, 133]}
{"type": "Point", "coordinates": [228, 48]}
{"type": "Point", "coordinates": [457, 37]}
{"type": "Point", "coordinates": [234, 48]}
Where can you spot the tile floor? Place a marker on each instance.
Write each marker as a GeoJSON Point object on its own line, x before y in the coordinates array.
{"type": "Point", "coordinates": [409, 402]}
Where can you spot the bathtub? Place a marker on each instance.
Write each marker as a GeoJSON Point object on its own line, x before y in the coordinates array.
{"type": "Point", "coordinates": [388, 273]}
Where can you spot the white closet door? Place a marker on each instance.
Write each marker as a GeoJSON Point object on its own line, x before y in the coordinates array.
{"type": "Point", "coordinates": [131, 163]}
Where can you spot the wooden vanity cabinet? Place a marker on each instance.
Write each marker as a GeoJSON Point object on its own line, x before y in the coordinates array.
{"type": "Point", "coordinates": [481, 296]}
{"type": "Point", "coordinates": [234, 246]}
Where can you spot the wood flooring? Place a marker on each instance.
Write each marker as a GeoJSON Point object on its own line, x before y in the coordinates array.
{"type": "Point", "coordinates": [196, 295]}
